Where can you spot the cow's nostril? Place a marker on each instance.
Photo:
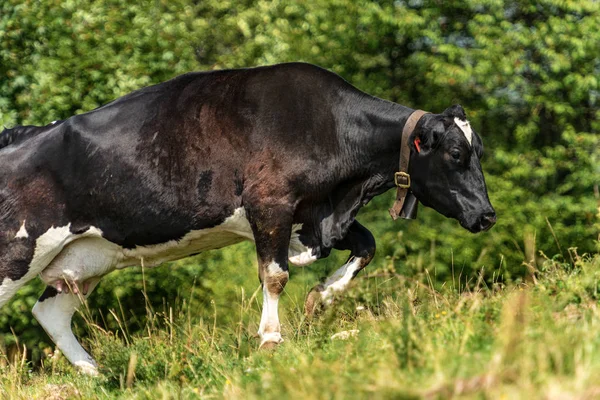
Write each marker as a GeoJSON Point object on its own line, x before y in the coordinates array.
{"type": "Point", "coordinates": [487, 221]}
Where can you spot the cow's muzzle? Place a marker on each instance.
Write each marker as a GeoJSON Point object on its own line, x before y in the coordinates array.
{"type": "Point", "coordinates": [483, 223]}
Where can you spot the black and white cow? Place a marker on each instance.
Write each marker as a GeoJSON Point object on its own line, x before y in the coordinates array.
{"type": "Point", "coordinates": [283, 155]}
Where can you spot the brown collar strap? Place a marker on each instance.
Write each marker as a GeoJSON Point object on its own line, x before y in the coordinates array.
{"type": "Point", "coordinates": [402, 178]}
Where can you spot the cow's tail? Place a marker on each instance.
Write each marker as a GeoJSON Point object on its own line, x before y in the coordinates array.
{"type": "Point", "coordinates": [9, 285]}
{"type": "Point", "coordinates": [8, 288]}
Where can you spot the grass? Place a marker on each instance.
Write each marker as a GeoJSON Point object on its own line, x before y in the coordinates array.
{"type": "Point", "coordinates": [404, 338]}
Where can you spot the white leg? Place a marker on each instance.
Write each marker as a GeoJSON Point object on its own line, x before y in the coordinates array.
{"type": "Point", "coordinates": [340, 279]}
{"type": "Point", "coordinates": [54, 315]}
{"type": "Point", "coordinates": [269, 329]}
{"type": "Point", "coordinates": [274, 281]}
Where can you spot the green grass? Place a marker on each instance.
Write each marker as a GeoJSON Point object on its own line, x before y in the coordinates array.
{"type": "Point", "coordinates": [413, 340]}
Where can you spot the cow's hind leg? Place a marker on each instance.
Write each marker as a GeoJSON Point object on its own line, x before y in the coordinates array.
{"type": "Point", "coordinates": [361, 244]}
{"type": "Point", "coordinates": [54, 312]}
{"type": "Point", "coordinates": [271, 226]}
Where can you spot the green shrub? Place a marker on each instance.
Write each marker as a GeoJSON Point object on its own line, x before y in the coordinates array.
{"type": "Point", "coordinates": [526, 72]}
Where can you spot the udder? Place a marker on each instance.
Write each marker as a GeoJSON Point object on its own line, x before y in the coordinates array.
{"type": "Point", "coordinates": [79, 263]}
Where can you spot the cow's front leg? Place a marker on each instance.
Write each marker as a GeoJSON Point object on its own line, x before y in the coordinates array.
{"type": "Point", "coordinates": [361, 244]}
{"type": "Point", "coordinates": [274, 278]}
{"type": "Point", "coordinates": [271, 226]}
{"type": "Point", "coordinates": [54, 312]}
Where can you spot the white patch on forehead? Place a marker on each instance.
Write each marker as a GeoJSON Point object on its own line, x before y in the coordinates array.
{"type": "Point", "coordinates": [22, 233]}
{"type": "Point", "coordinates": [465, 127]}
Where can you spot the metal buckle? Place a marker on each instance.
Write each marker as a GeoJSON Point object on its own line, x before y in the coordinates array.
{"type": "Point", "coordinates": [403, 175]}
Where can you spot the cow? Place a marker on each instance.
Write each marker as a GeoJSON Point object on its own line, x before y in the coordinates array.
{"type": "Point", "coordinates": [282, 155]}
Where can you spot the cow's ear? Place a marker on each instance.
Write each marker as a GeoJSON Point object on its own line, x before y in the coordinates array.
{"type": "Point", "coordinates": [428, 133]}
{"type": "Point", "coordinates": [455, 111]}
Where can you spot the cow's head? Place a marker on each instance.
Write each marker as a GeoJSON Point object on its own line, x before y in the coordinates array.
{"type": "Point", "coordinates": [445, 170]}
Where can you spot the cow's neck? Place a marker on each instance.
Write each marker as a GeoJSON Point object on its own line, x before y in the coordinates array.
{"type": "Point", "coordinates": [379, 129]}
{"type": "Point", "coordinates": [369, 133]}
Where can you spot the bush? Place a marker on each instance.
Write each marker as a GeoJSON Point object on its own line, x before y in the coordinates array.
{"type": "Point", "coordinates": [525, 71]}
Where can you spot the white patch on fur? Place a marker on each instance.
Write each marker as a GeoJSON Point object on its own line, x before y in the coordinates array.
{"type": "Point", "coordinates": [270, 329]}
{"type": "Point", "coordinates": [234, 229]}
{"type": "Point", "coordinates": [52, 242]}
{"type": "Point", "coordinates": [77, 258]}
{"type": "Point", "coordinates": [303, 258]}
{"type": "Point", "coordinates": [54, 314]}
{"type": "Point", "coordinates": [340, 279]}
{"type": "Point", "coordinates": [22, 233]}
{"type": "Point", "coordinates": [465, 127]}
{"type": "Point", "coordinates": [299, 254]}
{"type": "Point", "coordinates": [274, 268]}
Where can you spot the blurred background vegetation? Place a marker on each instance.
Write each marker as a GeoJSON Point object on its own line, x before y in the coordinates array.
{"type": "Point", "coordinates": [527, 72]}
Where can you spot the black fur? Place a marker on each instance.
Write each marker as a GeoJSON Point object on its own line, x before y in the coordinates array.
{"type": "Point", "coordinates": [291, 143]}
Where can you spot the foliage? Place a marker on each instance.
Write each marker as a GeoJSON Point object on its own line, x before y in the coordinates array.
{"type": "Point", "coordinates": [526, 72]}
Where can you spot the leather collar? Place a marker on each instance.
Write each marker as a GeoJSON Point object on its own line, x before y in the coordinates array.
{"type": "Point", "coordinates": [402, 178]}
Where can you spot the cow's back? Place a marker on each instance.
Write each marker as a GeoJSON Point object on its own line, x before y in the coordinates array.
{"type": "Point", "coordinates": [172, 158]}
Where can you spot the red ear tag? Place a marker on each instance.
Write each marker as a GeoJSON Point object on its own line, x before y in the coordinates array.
{"type": "Point", "coordinates": [417, 143]}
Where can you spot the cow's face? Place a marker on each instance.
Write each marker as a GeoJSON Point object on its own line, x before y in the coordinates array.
{"type": "Point", "coordinates": [446, 173]}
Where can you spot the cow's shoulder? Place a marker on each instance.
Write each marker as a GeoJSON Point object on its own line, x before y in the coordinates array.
{"type": "Point", "coordinates": [304, 74]}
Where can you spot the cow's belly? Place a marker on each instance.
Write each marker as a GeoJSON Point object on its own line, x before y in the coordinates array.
{"type": "Point", "coordinates": [93, 256]}
{"type": "Point", "coordinates": [234, 229]}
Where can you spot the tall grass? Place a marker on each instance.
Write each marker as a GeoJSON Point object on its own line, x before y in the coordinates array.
{"type": "Point", "coordinates": [387, 337]}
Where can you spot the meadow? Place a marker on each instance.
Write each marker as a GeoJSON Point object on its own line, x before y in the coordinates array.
{"type": "Point", "coordinates": [388, 336]}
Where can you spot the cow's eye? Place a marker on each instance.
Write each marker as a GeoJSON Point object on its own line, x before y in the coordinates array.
{"type": "Point", "coordinates": [455, 154]}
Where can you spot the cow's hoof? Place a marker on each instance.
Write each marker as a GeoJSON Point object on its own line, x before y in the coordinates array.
{"type": "Point", "coordinates": [87, 368]}
{"type": "Point", "coordinates": [269, 346]}
{"type": "Point", "coordinates": [270, 341]}
{"type": "Point", "coordinates": [314, 301]}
